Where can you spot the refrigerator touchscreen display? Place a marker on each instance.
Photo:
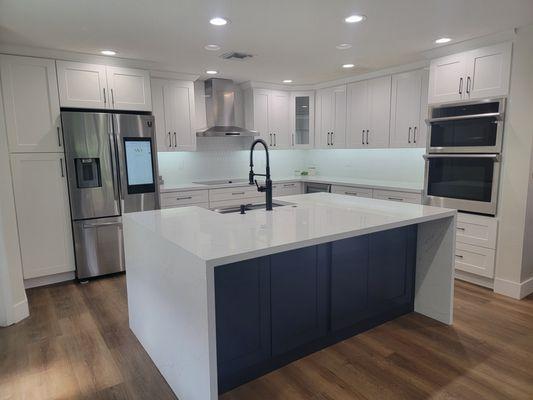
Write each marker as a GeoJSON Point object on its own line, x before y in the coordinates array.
{"type": "Point", "coordinates": [139, 167]}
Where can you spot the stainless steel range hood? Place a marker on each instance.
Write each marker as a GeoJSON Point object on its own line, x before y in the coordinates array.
{"type": "Point", "coordinates": [220, 110]}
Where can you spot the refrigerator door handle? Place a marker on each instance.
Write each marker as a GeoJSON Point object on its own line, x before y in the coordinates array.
{"type": "Point", "coordinates": [114, 163]}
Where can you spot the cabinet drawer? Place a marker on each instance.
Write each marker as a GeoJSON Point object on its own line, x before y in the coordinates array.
{"type": "Point", "coordinates": [231, 193]}
{"type": "Point", "coordinates": [236, 202]}
{"type": "Point", "coordinates": [202, 205]}
{"type": "Point", "coordinates": [286, 189]}
{"type": "Point", "coordinates": [352, 191]}
{"type": "Point", "coordinates": [477, 230]}
{"type": "Point", "coordinates": [173, 199]}
{"type": "Point", "coordinates": [475, 259]}
{"type": "Point", "coordinates": [393, 195]}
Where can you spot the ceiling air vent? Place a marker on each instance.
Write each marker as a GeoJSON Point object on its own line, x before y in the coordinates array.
{"type": "Point", "coordinates": [235, 55]}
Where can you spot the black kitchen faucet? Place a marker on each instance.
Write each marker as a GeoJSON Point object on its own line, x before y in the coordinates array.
{"type": "Point", "coordinates": [267, 188]}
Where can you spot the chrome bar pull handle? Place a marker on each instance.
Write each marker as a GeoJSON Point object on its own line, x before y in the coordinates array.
{"type": "Point", "coordinates": [332, 142]}
{"type": "Point", "coordinates": [175, 140]}
{"type": "Point", "coordinates": [468, 80]}
{"type": "Point", "coordinates": [169, 140]}
{"type": "Point", "coordinates": [105, 100]}
{"type": "Point", "coordinates": [367, 133]}
{"type": "Point", "coordinates": [112, 97]}
{"type": "Point", "coordinates": [414, 134]}
{"type": "Point", "coordinates": [461, 85]}
{"type": "Point", "coordinates": [409, 135]}
{"type": "Point", "coordinates": [363, 137]}
{"type": "Point", "coordinates": [61, 167]}
{"type": "Point", "coordinates": [59, 137]}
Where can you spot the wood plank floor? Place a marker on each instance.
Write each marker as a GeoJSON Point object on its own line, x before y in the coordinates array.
{"type": "Point", "coordinates": [77, 345]}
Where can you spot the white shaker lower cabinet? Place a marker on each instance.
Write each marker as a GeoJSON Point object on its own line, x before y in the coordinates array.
{"type": "Point", "coordinates": [476, 239]}
{"type": "Point", "coordinates": [392, 195]}
{"type": "Point", "coordinates": [31, 103]}
{"type": "Point", "coordinates": [407, 126]}
{"type": "Point", "coordinates": [173, 110]}
{"type": "Point", "coordinates": [82, 85]}
{"type": "Point", "coordinates": [185, 198]}
{"type": "Point", "coordinates": [43, 216]}
{"type": "Point", "coordinates": [129, 89]}
{"type": "Point", "coordinates": [352, 191]}
{"type": "Point", "coordinates": [286, 189]}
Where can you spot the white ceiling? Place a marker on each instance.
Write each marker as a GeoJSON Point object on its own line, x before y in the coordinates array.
{"type": "Point", "coordinates": [290, 39]}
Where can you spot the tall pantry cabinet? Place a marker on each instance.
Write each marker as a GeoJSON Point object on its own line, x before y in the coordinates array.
{"type": "Point", "coordinates": [31, 107]}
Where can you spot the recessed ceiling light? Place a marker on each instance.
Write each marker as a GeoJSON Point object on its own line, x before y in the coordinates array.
{"type": "Point", "coordinates": [287, 80]}
{"type": "Point", "coordinates": [211, 72]}
{"type": "Point", "coordinates": [108, 52]}
{"type": "Point", "coordinates": [354, 18]}
{"type": "Point", "coordinates": [218, 21]}
{"type": "Point", "coordinates": [344, 46]}
{"type": "Point", "coordinates": [348, 66]}
{"type": "Point", "coordinates": [443, 40]}
{"type": "Point", "coordinates": [212, 47]}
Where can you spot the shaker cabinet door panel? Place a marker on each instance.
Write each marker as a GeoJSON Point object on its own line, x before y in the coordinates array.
{"type": "Point", "coordinates": [43, 217]}
{"type": "Point", "coordinates": [31, 104]}
{"type": "Point", "coordinates": [392, 259]}
{"type": "Point", "coordinates": [179, 114]}
{"type": "Point", "coordinates": [379, 96]}
{"type": "Point", "coordinates": [129, 89]}
{"type": "Point", "coordinates": [405, 109]}
{"type": "Point", "coordinates": [357, 109]}
{"type": "Point", "coordinates": [349, 276]}
{"type": "Point", "coordinates": [446, 79]}
{"type": "Point", "coordinates": [242, 303]}
{"type": "Point", "coordinates": [278, 121]}
{"type": "Point", "coordinates": [83, 85]}
{"type": "Point", "coordinates": [298, 297]}
{"type": "Point", "coordinates": [489, 71]}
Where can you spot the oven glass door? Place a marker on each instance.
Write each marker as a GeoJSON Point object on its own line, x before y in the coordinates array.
{"type": "Point", "coordinates": [476, 132]}
{"type": "Point", "coordinates": [461, 177]}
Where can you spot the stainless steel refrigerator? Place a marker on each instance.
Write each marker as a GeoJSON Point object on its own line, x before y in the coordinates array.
{"type": "Point", "coordinates": [112, 169]}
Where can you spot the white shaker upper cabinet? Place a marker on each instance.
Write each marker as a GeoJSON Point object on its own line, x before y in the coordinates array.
{"type": "Point", "coordinates": [83, 85]}
{"type": "Point", "coordinates": [369, 113]}
{"type": "Point", "coordinates": [488, 71]}
{"type": "Point", "coordinates": [278, 122]}
{"type": "Point", "coordinates": [331, 118]}
{"type": "Point", "coordinates": [43, 217]}
{"type": "Point", "coordinates": [174, 114]}
{"type": "Point", "coordinates": [471, 75]}
{"type": "Point", "coordinates": [447, 79]}
{"type": "Point", "coordinates": [267, 111]}
{"type": "Point", "coordinates": [406, 106]}
{"type": "Point", "coordinates": [129, 89]}
{"type": "Point", "coordinates": [29, 90]}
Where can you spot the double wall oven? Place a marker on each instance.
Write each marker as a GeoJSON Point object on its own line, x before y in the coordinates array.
{"type": "Point", "coordinates": [464, 156]}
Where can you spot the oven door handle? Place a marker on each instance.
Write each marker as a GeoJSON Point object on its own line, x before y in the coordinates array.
{"type": "Point", "coordinates": [495, 157]}
{"type": "Point", "coordinates": [497, 115]}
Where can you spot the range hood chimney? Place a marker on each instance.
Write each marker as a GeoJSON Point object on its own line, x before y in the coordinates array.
{"type": "Point", "coordinates": [220, 110]}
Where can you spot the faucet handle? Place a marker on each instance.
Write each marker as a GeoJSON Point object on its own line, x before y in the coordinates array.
{"type": "Point", "coordinates": [259, 188]}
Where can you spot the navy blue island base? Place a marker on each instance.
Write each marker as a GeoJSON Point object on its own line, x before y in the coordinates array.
{"type": "Point", "coordinates": [273, 310]}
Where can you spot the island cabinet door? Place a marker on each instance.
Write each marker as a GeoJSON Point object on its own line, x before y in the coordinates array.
{"type": "Point", "coordinates": [391, 272]}
{"type": "Point", "coordinates": [299, 301]}
{"type": "Point", "coordinates": [242, 304]}
{"type": "Point", "coordinates": [349, 277]}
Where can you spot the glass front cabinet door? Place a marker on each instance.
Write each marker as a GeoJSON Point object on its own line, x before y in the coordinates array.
{"type": "Point", "coordinates": [302, 119]}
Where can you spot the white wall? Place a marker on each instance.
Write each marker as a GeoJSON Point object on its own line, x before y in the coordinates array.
{"type": "Point", "coordinates": [513, 263]}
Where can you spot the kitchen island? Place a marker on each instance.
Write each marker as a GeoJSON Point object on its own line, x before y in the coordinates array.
{"type": "Point", "coordinates": [219, 299]}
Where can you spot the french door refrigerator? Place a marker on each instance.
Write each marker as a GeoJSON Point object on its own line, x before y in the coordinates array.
{"type": "Point", "coordinates": [112, 169]}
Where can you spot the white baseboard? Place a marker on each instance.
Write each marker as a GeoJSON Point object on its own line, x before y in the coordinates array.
{"type": "Point", "coordinates": [513, 289]}
{"type": "Point", "coordinates": [20, 311]}
{"type": "Point", "coordinates": [49, 279]}
{"type": "Point", "coordinates": [475, 279]}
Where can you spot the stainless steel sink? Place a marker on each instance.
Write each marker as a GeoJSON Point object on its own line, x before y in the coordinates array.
{"type": "Point", "coordinates": [249, 207]}
{"type": "Point", "coordinates": [221, 182]}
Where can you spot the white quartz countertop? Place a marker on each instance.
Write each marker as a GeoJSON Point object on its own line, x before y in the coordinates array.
{"type": "Point", "coordinates": [411, 187]}
{"type": "Point", "coordinates": [312, 219]}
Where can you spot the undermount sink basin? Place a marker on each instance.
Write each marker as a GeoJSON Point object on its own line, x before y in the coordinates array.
{"type": "Point", "coordinates": [249, 207]}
